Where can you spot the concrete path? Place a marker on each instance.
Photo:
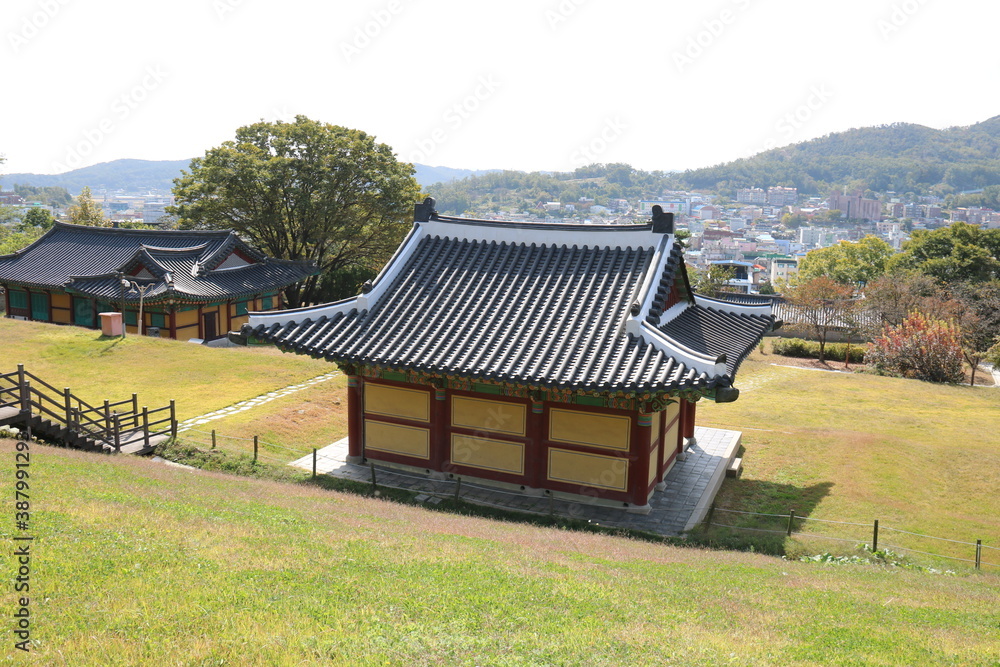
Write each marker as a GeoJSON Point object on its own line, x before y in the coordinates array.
{"type": "Point", "coordinates": [690, 487]}
{"type": "Point", "coordinates": [248, 404]}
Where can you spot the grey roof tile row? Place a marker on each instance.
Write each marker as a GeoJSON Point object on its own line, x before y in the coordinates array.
{"type": "Point", "coordinates": [521, 309]}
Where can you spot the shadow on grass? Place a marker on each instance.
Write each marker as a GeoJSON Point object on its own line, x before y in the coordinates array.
{"type": "Point", "coordinates": [753, 515]}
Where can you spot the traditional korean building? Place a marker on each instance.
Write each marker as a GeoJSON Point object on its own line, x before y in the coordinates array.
{"type": "Point", "coordinates": [192, 284]}
{"type": "Point", "coordinates": [565, 359]}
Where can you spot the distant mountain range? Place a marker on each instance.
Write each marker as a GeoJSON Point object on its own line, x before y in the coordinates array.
{"type": "Point", "coordinates": [901, 157]}
{"type": "Point", "coordinates": [158, 175]}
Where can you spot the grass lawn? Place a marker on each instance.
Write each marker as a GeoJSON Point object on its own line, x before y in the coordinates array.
{"type": "Point", "coordinates": [855, 447]}
{"type": "Point", "coordinates": [288, 427]}
{"type": "Point", "coordinates": [135, 562]}
{"type": "Point", "coordinates": [200, 379]}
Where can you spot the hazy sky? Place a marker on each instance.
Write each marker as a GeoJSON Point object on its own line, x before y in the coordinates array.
{"type": "Point", "coordinates": [521, 84]}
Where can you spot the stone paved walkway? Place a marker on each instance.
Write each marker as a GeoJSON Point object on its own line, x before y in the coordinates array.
{"type": "Point", "coordinates": [248, 404]}
{"type": "Point", "coordinates": [690, 487]}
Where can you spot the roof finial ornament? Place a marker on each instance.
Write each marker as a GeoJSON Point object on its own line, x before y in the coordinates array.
{"type": "Point", "coordinates": [663, 223]}
{"type": "Point", "coordinates": [366, 287]}
{"type": "Point", "coordinates": [425, 212]}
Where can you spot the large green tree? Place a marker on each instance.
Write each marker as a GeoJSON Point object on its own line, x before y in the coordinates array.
{"type": "Point", "coordinates": [958, 253]}
{"type": "Point", "coordinates": [847, 262]}
{"type": "Point", "coordinates": [85, 211]}
{"type": "Point", "coordinates": [304, 191]}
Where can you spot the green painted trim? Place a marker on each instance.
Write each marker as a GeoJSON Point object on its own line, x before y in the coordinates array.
{"type": "Point", "coordinates": [393, 375]}
{"type": "Point", "coordinates": [486, 388]}
{"type": "Point", "coordinates": [597, 401]}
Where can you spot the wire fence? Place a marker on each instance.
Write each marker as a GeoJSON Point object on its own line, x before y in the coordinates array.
{"type": "Point", "coordinates": [567, 508]}
{"type": "Point", "coordinates": [875, 533]}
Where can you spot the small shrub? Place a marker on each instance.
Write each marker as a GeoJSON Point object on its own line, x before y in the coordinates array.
{"type": "Point", "coordinates": [792, 347]}
{"type": "Point", "coordinates": [808, 349]}
{"type": "Point", "coordinates": [920, 348]}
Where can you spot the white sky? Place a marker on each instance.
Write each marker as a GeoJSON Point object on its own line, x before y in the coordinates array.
{"type": "Point", "coordinates": [539, 85]}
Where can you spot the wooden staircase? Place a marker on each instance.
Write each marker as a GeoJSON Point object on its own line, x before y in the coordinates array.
{"type": "Point", "coordinates": [33, 405]}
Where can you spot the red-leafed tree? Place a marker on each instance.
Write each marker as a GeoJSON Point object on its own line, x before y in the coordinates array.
{"type": "Point", "coordinates": [920, 348]}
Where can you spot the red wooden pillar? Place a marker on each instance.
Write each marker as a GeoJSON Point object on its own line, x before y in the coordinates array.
{"type": "Point", "coordinates": [534, 456]}
{"type": "Point", "coordinates": [6, 299]}
{"type": "Point", "coordinates": [662, 457]}
{"type": "Point", "coordinates": [172, 314]}
{"type": "Point", "coordinates": [355, 425]}
{"type": "Point", "coordinates": [687, 425]}
{"type": "Point", "coordinates": [229, 316]}
{"type": "Point", "coordinates": [440, 444]}
{"type": "Point", "coordinates": [638, 472]}
{"type": "Point", "coordinates": [201, 324]}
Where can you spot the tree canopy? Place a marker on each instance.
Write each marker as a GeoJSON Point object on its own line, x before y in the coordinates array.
{"type": "Point", "coordinates": [303, 191]}
{"type": "Point", "coordinates": [85, 211]}
{"type": "Point", "coordinates": [847, 262]}
{"type": "Point", "coordinates": [958, 253]}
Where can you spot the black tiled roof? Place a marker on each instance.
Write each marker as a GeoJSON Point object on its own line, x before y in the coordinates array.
{"type": "Point", "coordinates": [182, 264]}
{"type": "Point", "coordinates": [542, 305]}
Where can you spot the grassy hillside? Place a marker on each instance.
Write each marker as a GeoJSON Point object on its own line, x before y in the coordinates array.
{"type": "Point", "coordinates": [138, 563]}
{"type": "Point", "coordinates": [852, 447]}
{"type": "Point", "coordinates": [200, 379]}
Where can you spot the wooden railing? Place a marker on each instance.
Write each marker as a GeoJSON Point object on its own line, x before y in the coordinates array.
{"type": "Point", "coordinates": [105, 424]}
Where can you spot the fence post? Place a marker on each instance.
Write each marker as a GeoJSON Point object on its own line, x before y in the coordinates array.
{"type": "Point", "coordinates": [458, 490]}
{"type": "Point", "coordinates": [26, 401]}
{"type": "Point", "coordinates": [875, 537]}
{"type": "Point", "coordinates": [107, 415]}
{"type": "Point", "coordinates": [791, 517]}
{"type": "Point", "coordinates": [117, 433]}
{"type": "Point", "coordinates": [255, 449]}
{"type": "Point", "coordinates": [135, 411]}
{"type": "Point", "coordinates": [68, 404]}
{"type": "Point", "coordinates": [374, 487]}
{"type": "Point", "coordinates": [979, 553]}
{"type": "Point", "coordinates": [213, 438]}
{"type": "Point", "coordinates": [173, 420]}
{"type": "Point", "coordinates": [145, 426]}
{"type": "Point", "coordinates": [314, 463]}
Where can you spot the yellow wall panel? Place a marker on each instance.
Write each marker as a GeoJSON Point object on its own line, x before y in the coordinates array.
{"type": "Point", "coordinates": [61, 300]}
{"type": "Point", "coordinates": [654, 431]}
{"type": "Point", "coordinates": [62, 316]}
{"type": "Point", "coordinates": [670, 440]}
{"type": "Point", "coordinates": [405, 440]}
{"type": "Point", "coordinates": [184, 318]}
{"type": "Point", "coordinates": [606, 472]}
{"type": "Point", "coordinates": [488, 454]}
{"type": "Point", "coordinates": [481, 414]}
{"type": "Point", "coordinates": [672, 410]}
{"type": "Point", "coordinates": [653, 457]}
{"type": "Point", "coordinates": [587, 428]}
{"type": "Point", "coordinates": [397, 402]}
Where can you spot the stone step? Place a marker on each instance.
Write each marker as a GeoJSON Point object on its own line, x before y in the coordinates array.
{"type": "Point", "coordinates": [735, 467]}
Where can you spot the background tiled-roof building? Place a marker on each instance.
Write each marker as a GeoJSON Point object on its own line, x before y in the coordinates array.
{"type": "Point", "coordinates": [194, 284]}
